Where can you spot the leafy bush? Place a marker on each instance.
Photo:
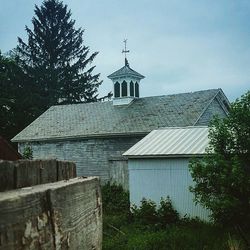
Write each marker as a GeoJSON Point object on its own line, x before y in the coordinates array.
{"type": "Point", "coordinates": [28, 153]}
{"type": "Point", "coordinates": [166, 212]}
{"type": "Point", "coordinates": [148, 214]}
{"type": "Point", "coordinates": [115, 199]}
{"type": "Point", "coordinates": [222, 177]}
{"type": "Point", "coordinates": [159, 228]}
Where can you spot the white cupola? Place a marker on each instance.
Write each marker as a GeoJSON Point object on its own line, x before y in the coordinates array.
{"type": "Point", "coordinates": [126, 83]}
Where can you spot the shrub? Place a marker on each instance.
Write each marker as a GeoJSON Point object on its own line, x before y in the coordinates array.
{"type": "Point", "coordinates": [222, 177]}
{"type": "Point", "coordinates": [148, 214]}
{"type": "Point", "coordinates": [28, 153]}
{"type": "Point", "coordinates": [166, 212]}
{"type": "Point", "coordinates": [115, 199]}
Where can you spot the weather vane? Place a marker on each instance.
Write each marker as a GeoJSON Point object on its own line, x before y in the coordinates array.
{"type": "Point", "coordinates": [125, 51]}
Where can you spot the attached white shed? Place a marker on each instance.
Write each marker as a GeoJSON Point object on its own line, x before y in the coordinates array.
{"type": "Point", "coordinates": [158, 167]}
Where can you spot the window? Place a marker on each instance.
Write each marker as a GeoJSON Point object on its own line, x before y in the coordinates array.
{"type": "Point", "coordinates": [124, 88]}
{"type": "Point", "coordinates": [136, 89]}
{"type": "Point", "coordinates": [117, 89]}
{"type": "Point", "coordinates": [132, 92]}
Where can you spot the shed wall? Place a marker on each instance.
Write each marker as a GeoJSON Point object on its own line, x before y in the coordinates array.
{"type": "Point", "coordinates": [156, 178]}
{"type": "Point", "coordinates": [91, 156]}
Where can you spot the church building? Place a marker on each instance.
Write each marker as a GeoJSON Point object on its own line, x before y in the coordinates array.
{"type": "Point", "coordinates": [95, 135]}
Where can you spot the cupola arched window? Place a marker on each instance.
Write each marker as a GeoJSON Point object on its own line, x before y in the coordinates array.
{"type": "Point", "coordinates": [117, 89]}
{"type": "Point", "coordinates": [136, 89]}
{"type": "Point", "coordinates": [132, 92]}
{"type": "Point", "coordinates": [124, 88]}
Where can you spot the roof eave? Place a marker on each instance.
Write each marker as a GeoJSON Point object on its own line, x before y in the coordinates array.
{"type": "Point", "coordinates": [164, 156]}
{"type": "Point", "coordinates": [125, 75]}
{"type": "Point", "coordinates": [77, 137]}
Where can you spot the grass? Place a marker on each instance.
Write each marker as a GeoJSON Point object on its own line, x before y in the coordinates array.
{"type": "Point", "coordinates": [118, 231]}
{"type": "Point", "coordinates": [123, 231]}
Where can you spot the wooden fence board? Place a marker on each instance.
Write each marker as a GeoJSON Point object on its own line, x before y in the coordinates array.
{"type": "Point", "coordinates": [48, 171]}
{"type": "Point", "coordinates": [7, 175]}
{"type": "Point", "coordinates": [26, 173]}
{"type": "Point", "coordinates": [60, 215]}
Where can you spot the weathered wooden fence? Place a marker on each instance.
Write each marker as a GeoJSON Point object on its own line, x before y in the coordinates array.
{"type": "Point", "coordinates": [118, 171]}
{"type": "Point", "coordinates": [24, 173]}
{"type": "Point", "coordinates": [58, 215]}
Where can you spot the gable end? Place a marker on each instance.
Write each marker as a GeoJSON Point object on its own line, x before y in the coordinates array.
{"type": "Point", "coordinates": [218, 106]}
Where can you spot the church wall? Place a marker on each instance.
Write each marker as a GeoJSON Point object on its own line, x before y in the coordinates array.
{"type": "Point", "coordinates": [213, 109]}
{"type": "Point", "coordinates": [92, 156]}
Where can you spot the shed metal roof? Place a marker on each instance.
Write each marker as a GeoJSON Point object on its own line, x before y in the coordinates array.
{"type": "Point", "coordinates": [171, 142]}
{"type": "Point", "coordinates": [141, 116]}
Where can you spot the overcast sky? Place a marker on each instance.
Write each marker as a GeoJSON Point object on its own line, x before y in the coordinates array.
{"type": "Point", "coordinates": [178, 45]}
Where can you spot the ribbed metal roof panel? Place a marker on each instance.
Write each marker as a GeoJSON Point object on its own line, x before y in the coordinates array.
{"type": "Point", "coordinates": [172, 141]}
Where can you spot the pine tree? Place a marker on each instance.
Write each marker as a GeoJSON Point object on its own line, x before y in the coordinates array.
{"type": "Point", "coordinates": [56, 58]}
{"type": "Point", "coordinates": [18, 100]}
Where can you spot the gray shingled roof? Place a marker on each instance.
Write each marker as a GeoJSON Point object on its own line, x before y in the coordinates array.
{"type": "Point", "coordinates": [103, 119]}
{"type": "Point", "coordinates": [125, 71]}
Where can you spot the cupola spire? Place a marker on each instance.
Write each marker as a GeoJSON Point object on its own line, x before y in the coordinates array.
{"type": "Point", "coordinates": [125, 51]}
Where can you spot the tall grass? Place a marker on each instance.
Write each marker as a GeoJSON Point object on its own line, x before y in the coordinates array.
{"type": "Point", "coordinates": [150, 228]}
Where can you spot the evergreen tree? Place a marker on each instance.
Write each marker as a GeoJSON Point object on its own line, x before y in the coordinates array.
{"type": "Point", "coordinates": [18, 100]}
{"type": "Point", "coordinates": [56, 59]}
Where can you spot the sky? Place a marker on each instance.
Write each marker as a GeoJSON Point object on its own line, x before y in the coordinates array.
{"type": "Point", "coordinates": [178, 45]}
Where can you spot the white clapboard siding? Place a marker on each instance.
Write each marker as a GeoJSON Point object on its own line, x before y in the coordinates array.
{"type": "Point", "coordinates": [156, 178]}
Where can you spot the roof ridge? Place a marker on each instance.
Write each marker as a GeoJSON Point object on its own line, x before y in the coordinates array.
{"type": "Point", "coordinates": [80, 103]}
{"type": "Point", "coordinates": [110, 101]}
{"type": "Point", "coordinates": [191, 92]}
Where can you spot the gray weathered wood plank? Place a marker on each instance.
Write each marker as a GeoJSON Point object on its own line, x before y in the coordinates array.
{"type": "Point", "coordinates": [60, 215]}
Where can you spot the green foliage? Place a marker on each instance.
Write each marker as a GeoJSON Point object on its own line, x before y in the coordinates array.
{"type": "Point", "coordinates": [175, 237]}
{"type": "Point", "coordinates": [18, 99]}
{"type": "Point", "coordinates": [28, 153]}
{"type": "Point", "coordinates": [166, 212]}
{"type": "Point", "coordinates": [168, 232]}
{"type": "Point", "coordinates": [148, 213]}
{"type": "Point", "coordinates": [52, 67]}
{"type": "Point", "coordinates": [234, 243]}
{"type": "Point", "coordinates": [115, 199]}
{"type": "Point", "coordinates": [222, 178]}
{"type": "Point", "coordinates": [56, 58]}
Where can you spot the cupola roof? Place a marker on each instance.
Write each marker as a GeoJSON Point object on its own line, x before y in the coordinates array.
{"type": "Point", "coordinates": [125, 71]}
